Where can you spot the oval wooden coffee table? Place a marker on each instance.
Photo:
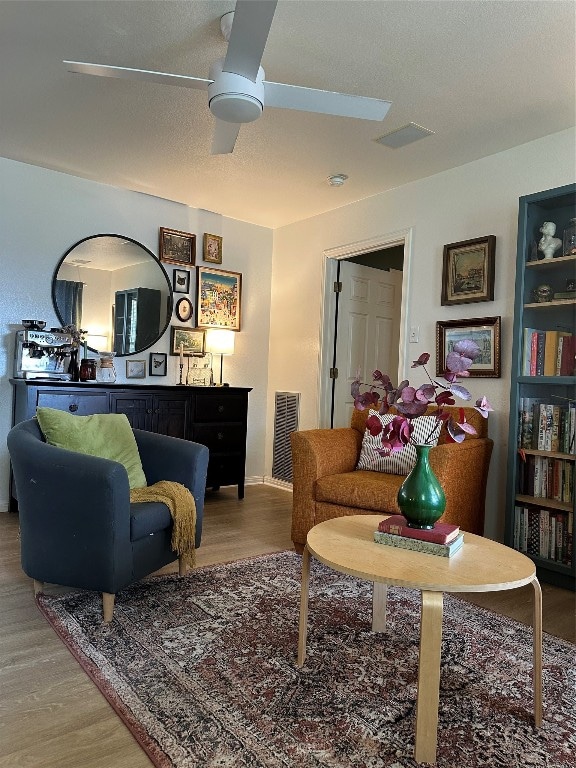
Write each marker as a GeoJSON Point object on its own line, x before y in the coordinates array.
{"type": "Point", "coordinates": [346, 544]}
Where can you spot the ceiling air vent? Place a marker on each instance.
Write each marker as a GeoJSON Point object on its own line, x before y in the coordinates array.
{"type": "Point", "coordinates": [405, 135]}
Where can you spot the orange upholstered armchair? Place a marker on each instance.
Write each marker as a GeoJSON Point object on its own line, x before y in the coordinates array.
{"type": "Point", "coordinates": [326, 483]}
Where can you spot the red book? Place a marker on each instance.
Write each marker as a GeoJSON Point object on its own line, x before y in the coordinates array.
{"type": "Point", "coordinates": [442, 533]}
{"type": "Point", "coordinates": [567, 362]}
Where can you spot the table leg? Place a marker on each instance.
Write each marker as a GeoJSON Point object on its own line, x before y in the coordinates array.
{"type": "Point", "coordinates": [379, 597]}
{"type": "Point", "coordinates": [303, 627]}
{"type": "Point", "coordinates": [428, 677]}
{"type": "Point", "coordinates": [537, 652]}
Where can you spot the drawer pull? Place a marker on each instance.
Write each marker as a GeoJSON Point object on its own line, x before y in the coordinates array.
{"type": "Point", "coordinates": [148, 410]}
{"type": "Point", "coordinates": [73, 407]}
{"type": "Point", "coordinates": [220, 435]}
{"type": "Point", "coordinates": [220, 409]}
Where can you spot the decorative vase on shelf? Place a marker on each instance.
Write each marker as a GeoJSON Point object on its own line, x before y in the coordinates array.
{"type": "Point", "coordinates": [421, 498]}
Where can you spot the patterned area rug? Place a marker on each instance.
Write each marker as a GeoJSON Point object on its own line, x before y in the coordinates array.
{"type": "Point", "coordinates": [203, 672]}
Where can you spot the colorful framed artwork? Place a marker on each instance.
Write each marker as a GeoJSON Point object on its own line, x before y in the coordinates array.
{"type": "Point", "coordinates": [186, 341]}
{"type": "Point", "coordinates": [212, 250]}
{"type": "Point", "coordinates": [135, 369]}
{"type": "Point", "coordinates": [218, 298]}
{"type": "Point", "coordinates": [468, 271]}
{"type": "Point", "coordinates": [177, 247]}
{"type": "Point", "coordinates": [180, 281]}
{"type": "Point", "coordinates": [184, 309]}
{"type": "Point", "coordinates": [485, 331]}
{"type": "Point", "coordinates": [158, 364]}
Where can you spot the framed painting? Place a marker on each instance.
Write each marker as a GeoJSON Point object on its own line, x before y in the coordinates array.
{"type": "Point", "coordinates": [186, 341]}
{"type": "Point", "coordinates": [135, 369]}
{"type": "Point", "coordinates": [212, 250]}
{"type": "Point", "coordinates": [177, 247]}
{"type": "Point", "coordinates": [218, 298]}
{"type": "Point", "coordinates": [485, 331]}
{"type": "Point", "coordinates": [157, 364]}
{"type": "Point", "coordinates": [468, 271]}
{"type": "Point", "coordinates": [184, 309]}
{"type": "Point", "coordinates": [180, 281]}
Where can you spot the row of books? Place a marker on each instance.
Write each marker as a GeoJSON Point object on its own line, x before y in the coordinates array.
{"type": "Point", "coordinates": [443, 540]}
{"type": "Point", "coordinates": [544, 533]}
{"type": "Point", "coordinates": [547, 478]}
{"type": "Point", "coordinates": [548, 353]}
{"type": "Point", "coordinates": [546, 426]}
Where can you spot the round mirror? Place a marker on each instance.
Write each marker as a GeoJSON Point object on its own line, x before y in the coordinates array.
{"type": "Point", "coordinates": [116, 290]}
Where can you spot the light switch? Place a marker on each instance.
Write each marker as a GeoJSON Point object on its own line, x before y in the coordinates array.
{"type": "Point", "coordinates": [414, 334]}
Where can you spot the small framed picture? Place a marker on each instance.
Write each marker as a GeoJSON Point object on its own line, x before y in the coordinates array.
{"type": "Point", "coordinates": [212, 250]}
{"type": "Point", "coordinates": [180, 281]}
{"type": "Point", "coordinates": [485, 331]}
{"type": "Point", "coordinates": [177, 247]}
{"type": "Point", "coordinates": [157, 364]}
{"type": "Point", "coordinates": [218, 298]}
{"type": "Point", "coordinates": [135, 369]}
{"type": "Point", "coordinates": [186, 341]}
{"type": "Point", "coordinates": [184, 309]}
{"type": "Point", "coordinates": [468, 271]}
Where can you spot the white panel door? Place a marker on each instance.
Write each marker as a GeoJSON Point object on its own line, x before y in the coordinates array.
{"type": "Point", "coordinates": [368, 331]}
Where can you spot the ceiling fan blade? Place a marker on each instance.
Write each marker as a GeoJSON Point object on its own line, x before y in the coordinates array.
{"type": "Point", "coordinates": [324, 102]}
{"type": "Point", "coordinates": [250, 28]}
{"type": "Point", "coordinates": [124, 73]}
{"type": "Point", "coordinates": [225, 135]}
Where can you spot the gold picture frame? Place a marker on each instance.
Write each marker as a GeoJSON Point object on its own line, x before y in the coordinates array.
{"type": "Point", "coordinates": [212, 248]}
{"type": "Point", "coordinates": [177, 247]}
{"type": "Point", "coordinates": [485, 331]}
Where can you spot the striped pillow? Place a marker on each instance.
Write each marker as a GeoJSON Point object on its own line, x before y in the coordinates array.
{"type": "Point", "coordinates": [399, 462]}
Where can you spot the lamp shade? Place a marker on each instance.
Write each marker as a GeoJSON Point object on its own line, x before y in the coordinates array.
{"type": "Point", "coordinates": [220, 342]}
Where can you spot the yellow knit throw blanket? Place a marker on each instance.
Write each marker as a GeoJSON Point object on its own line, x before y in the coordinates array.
{"type": "Point", "coordinates": [181, 504]}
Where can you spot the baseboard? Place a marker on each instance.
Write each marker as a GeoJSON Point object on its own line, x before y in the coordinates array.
{"type": "Point", "coordinates": [4, 506]}
{"type": "Point", "coordinates": [278, 483]}
{"type": "Point", "coordinates": [254, 480]}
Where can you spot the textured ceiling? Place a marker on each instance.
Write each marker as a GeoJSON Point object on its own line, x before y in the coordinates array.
{"type": "Point", "coordinates": [483, 75]}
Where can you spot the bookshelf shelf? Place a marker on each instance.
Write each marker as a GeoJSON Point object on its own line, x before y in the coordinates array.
{"type": "Point", "coordinates": [543, 407]}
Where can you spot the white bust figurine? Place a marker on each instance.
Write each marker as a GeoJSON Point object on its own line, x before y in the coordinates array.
{"type": "Point", "coordinates": [548, 243]}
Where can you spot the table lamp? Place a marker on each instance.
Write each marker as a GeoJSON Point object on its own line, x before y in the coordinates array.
{"type": "Point", "coordinates": [220, 342]}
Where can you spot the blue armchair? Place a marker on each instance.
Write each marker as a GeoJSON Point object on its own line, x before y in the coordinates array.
{"type": "Point", "coordinates": [77, 526]}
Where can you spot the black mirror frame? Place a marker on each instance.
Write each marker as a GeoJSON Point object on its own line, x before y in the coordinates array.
{"type": "Point", "coordinates": [169, 309]}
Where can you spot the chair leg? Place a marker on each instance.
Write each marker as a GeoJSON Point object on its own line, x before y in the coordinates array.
{"type": "Point", "coordinates": [108, 606]}
{"type": "Point", "coordinates": [38, 587]}
{"type": "Point", "coordinates": [181, 566]}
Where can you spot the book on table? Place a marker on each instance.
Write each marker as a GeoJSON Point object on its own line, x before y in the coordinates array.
{"type": "Point", "coordinates": [419, 545]}
{"type": "Point", "coordinates": [442, 533]}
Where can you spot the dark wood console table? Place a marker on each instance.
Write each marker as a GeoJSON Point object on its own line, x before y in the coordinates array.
{"type": "Point", "coordinates": [213, 416]}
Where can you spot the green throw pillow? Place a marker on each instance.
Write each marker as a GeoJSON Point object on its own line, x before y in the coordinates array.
{"type": "Point", "coordinates": [106, 435]}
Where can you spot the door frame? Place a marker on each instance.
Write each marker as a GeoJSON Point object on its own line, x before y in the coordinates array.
{"type": "Point", "coordinates": [326, 347]}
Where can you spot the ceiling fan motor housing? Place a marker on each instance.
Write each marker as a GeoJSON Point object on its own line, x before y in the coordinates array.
{"type": "Point", "coordinates": [234, 98]}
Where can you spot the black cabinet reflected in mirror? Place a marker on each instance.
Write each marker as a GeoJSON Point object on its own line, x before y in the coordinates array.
{"type": "Point", "coordinates": [116, 289]}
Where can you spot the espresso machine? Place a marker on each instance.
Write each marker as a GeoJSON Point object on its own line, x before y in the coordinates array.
{"type": "Point", "coordinates": [40, 353]}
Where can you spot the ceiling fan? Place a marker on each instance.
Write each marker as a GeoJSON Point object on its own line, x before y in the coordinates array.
{"type": "Point", "coordinates": [237, 91]}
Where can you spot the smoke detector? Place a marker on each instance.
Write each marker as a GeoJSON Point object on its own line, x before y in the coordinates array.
{"type": "Point", "coordinates": [337, 180]}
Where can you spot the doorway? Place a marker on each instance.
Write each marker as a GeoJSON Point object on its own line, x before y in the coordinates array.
{"type": "Point", "coordinates": [364, 319]}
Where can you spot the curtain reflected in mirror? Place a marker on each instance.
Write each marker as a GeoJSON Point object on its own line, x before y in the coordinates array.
{"type": "Point", "coordinates": [68, 298]}
{"type": "Point", "coordinates": [91, 287]}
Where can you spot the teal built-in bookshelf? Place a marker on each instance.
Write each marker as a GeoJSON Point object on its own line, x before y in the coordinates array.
{"type": "Point", "coordinates": [540, 508]}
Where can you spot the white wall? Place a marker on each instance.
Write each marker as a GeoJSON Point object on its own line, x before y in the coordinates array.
{"type": "Point", "coordinates": [477, 199]}
{"type": "Point", "coordinates": [43, 213]}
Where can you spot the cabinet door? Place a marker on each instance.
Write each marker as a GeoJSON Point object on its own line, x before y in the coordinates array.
{"type": "Point", "coordinates": [171, 415]}
{"type": "Point", "coordinates": [221, 406]}
{"type": "Point", "coordinates": [138, 408]}
{"type": "Point", "coordinates": [79, 403]}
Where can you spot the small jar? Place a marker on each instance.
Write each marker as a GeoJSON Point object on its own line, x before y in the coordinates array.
{"type": "Point", "coordinates": [105, 372]}
{"type": "Point", "coordinates": [88, 369]}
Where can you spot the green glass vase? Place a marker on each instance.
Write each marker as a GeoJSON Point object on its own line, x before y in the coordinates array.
{"type": "Point", "coordinates": [421, 498]}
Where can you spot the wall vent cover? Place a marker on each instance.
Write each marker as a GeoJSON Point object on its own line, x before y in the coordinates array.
{"type": "Point", "coordinates": [286, 413]}
{"type": "Point", "coordinates": [402, 136]}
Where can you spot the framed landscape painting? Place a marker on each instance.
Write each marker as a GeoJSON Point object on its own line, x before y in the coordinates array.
{"type": "Point", "coordinates": [468, 271]}
{"type": "Point", "coordinates": [485, 331]}
{"type": "Point", "coordinates": [218, 299]}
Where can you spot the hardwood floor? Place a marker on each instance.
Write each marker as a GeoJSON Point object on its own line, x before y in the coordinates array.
{"type": "Point", "coordinates": [52, 716]}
